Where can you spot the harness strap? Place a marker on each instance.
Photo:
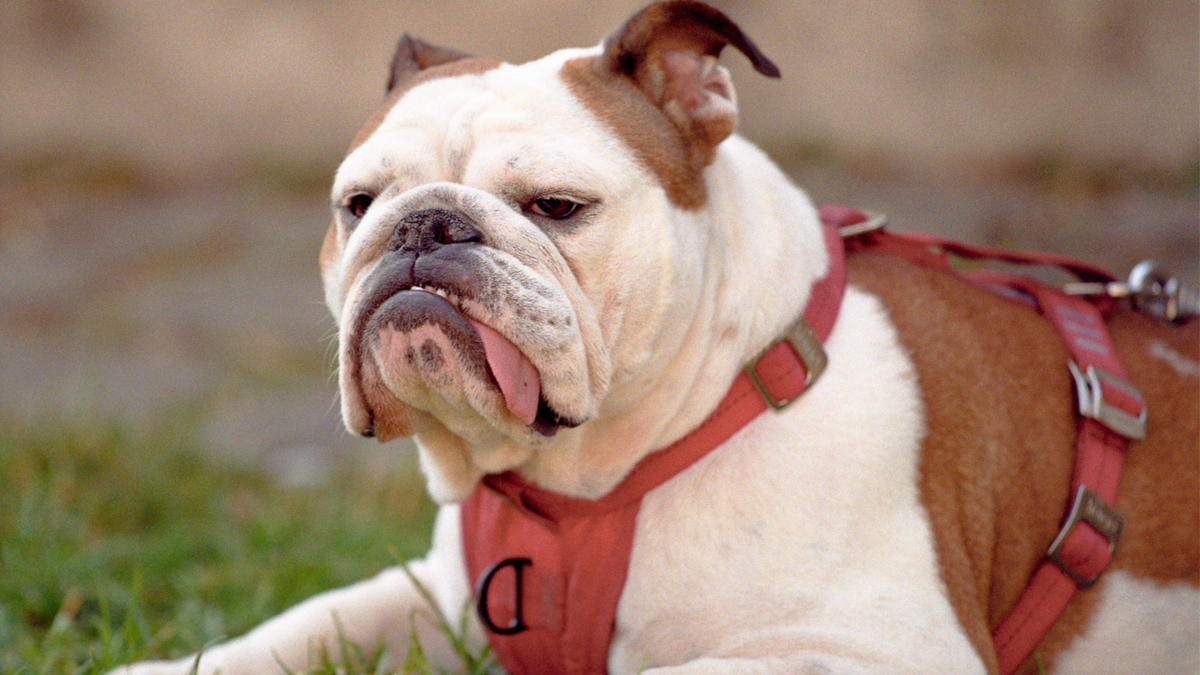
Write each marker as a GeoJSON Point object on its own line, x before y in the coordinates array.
{"type": "Point", "coordinates": [1112, 411]}
{"type": "Point", "coordinates": [1085, 545]}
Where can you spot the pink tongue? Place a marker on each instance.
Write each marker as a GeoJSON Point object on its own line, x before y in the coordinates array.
{"type": "Point", "coordinates": [518, 379]}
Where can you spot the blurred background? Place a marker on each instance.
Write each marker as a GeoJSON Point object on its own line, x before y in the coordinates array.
{"type": "Point", "coordinates": [164, 170]}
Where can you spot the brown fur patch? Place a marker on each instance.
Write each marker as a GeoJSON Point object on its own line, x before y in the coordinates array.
{"type": "Point", "coordinates": [997, 460]}
{"type": "Point", "coordinates": [657, 144]}
{"type": "Point", "coordinates": [653, 86]}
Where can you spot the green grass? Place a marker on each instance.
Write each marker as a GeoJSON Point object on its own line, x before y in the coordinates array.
{"type": "Point", "coordinates": [117, 546]}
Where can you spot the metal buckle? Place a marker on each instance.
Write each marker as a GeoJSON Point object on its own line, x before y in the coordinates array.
{"type": "Point", "coordinates": [808, 348]}
{"type": "Point", "coordinates": [1088, 387]}
{"type": "Point", "coordinates": [1090, 508]}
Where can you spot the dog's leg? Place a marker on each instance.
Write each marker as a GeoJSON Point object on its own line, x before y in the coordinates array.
{"type": "Point", "coordinates": [381, 612]}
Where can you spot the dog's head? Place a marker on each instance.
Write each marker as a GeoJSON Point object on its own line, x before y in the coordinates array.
{"type": "Point", "coordinates": [519, 250]}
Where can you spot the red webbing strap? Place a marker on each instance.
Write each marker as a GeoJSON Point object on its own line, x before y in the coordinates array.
{"type": "Point", "coordinates": [1085, 545]}
{"type": "Point", "coordinates": [935, 251]}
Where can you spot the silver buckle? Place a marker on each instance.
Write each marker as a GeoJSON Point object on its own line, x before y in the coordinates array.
{"type": "Point", "coordinates": [808, 348]}
{"type": "Point", "coordinates": [1092, 404]}
{"type": "Point", "coordinates": [1090, 508]}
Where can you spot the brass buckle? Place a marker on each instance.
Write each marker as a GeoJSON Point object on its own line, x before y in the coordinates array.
{"type": "Point", "coordinates": [1089, 389]}
{"type": "Point", "coordinates": [808, 347]}
{"type": "Point", "coordinates": [1089, 508]}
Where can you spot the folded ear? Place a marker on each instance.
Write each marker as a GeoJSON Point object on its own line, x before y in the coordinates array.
{"type": "Point", "coordinates": [670, 51]}
{"type": "Point", "coordinates": [413, 56]}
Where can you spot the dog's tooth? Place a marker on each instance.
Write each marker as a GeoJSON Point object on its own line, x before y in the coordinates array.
{"type": "Point", "coordinates": [446, 295]}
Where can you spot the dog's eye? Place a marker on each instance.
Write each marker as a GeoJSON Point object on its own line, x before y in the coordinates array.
{"type": "Point", "coordinates": [358, 204]}
{"type": "Point", "coordinates": [554, 207]}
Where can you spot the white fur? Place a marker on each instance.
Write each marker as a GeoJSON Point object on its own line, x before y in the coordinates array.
{"type": "Point", "coordinates": [1141, 627]}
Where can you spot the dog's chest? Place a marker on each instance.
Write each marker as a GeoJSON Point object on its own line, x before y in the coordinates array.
{"type": "Point", "coordinates": [805, 530]}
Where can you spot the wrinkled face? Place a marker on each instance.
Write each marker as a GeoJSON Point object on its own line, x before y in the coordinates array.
{"type": "Point", "coordinates": [493, 247]}
{"type": "Point", "coordinates": [518, 250]}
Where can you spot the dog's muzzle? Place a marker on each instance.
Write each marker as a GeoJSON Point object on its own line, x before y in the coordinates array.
{"type": "Point", "coordinates": [432, 268]}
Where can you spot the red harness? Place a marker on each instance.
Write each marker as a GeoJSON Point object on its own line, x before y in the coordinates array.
{"type": "Point", "coordinates": [549, 569]}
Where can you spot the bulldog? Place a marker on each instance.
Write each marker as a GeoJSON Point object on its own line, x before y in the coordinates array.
{"type": "Point", "coordinates": [554, 275]}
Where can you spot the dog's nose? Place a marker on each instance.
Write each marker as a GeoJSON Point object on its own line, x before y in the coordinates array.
{"type": "Point", "coordinates": [430, 229]}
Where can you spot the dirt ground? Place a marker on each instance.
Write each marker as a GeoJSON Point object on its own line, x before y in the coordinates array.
{"type": "Point", "coordinates": [162, 171]}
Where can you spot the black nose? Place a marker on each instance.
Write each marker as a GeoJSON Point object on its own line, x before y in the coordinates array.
{"type": "Point", "coordinates": [430, 229]}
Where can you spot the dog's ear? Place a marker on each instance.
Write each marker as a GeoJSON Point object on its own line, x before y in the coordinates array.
{"type": "Point", "coordinates": [414, 55]}
{"type": "Point", "coordinates": [670, 51]}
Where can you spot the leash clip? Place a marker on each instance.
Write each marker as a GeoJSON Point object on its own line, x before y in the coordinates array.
{"type": "Point", "coordinates": [1161, 295]}
{"type": "Point", "coordinates": [1150, 289]}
